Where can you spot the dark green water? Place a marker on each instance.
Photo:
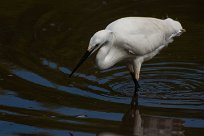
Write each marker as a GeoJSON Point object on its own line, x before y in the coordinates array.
{"type": "Point", "coordinates": [40, 43]}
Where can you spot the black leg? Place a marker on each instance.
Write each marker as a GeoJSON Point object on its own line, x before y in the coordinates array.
{"type": "Point", "coordinates": [137, 86]}
{"type": "Point", "coordinates": [134, 101]}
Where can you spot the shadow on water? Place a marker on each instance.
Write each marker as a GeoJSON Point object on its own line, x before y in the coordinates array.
{"type": "Point", "coordinates": [134, 123]}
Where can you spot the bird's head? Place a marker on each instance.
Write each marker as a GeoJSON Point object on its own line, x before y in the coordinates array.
{"type": "Point", "coordinates": [98, 40]}
{"type": "Point", "coordinates": [175, 25]}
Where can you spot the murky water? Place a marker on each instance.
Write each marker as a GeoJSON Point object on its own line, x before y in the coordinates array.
{"type": "Point", "coordinates": [40, 43]}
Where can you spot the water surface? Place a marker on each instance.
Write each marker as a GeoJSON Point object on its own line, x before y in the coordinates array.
{"type": "Point", "coordinates": [40, 43]}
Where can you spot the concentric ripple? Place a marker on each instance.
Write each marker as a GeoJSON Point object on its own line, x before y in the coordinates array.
{"type": "Point", "coordinates": [165, 81]}
{"type": "Point", "coordinates": [173, 84]}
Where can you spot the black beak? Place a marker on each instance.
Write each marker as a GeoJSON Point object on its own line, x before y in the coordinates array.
{"type": "Point", "coordinates": [84, 57]}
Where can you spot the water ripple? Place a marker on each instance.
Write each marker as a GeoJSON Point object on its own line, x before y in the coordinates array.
{"type": "Point", "coordinates": [164, 81]}
{"type": "Point", "coordinates": [170, 83]}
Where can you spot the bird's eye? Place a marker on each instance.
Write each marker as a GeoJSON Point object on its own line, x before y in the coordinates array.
{"type": "Point", "coordinates": [97, 45]}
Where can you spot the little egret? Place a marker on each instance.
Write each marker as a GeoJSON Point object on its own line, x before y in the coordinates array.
{"type": "Point", "coordinates": [132, 39]}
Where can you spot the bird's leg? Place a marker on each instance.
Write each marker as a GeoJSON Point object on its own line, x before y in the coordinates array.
{"type": "Point", "coordinates": [137, 86]}
{"type": "Point", "coordinates": [136, 68]}
{"type": "Point", "coordinates": [133, 75]}
{"type": "Point", "coordinates": [134, 101]}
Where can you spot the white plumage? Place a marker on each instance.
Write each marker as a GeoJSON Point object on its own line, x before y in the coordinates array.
{"type": "Point", "coordinates": [133, 40]}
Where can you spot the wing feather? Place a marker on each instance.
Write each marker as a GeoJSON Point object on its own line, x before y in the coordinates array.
{"type": "Point", "coordinates": [141, 35]}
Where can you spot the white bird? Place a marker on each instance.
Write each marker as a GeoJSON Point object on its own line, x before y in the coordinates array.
{"type": "Point", "coordinates": [133, 39]}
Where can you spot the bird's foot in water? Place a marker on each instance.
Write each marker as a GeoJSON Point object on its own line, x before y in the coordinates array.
{"type": "Point", "coordinates": [137, 86]}
{"type": "Point", "coordinates": [134, 101]}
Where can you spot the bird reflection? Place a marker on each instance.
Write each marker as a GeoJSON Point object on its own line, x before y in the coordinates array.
{"type": "Point", "coordinates": [136, 124]}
